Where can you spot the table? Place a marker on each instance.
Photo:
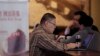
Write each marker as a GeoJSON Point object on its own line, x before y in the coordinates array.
{"type": "Point", "coordinates": [83, 53]}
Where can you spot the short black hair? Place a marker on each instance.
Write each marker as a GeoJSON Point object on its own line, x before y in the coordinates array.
{"type": "Point", "coordinates": [81, 13]}
{"type": "Point", "coordinates": [86, 21]}
{"type": "Point", "coordinates": [47, 17]}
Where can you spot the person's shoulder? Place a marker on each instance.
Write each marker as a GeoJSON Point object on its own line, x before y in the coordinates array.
{"type": "Point", "coordinates": [37, 32]}
{"type": "Point", "coordinates": [80, 32]}
{"type": "Point", "coordinates": [96, 33]}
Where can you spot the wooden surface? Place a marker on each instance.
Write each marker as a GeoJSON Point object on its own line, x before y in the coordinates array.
{"type": "Point", "coordinates": [83, 53]}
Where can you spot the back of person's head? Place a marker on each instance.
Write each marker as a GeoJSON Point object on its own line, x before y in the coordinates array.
{"type": "Point", "coordinates": [86, 21]}
{"type": "Point", "coordinates": [81, 13]}
{"type": "Point", "coordinates": [47, 17]}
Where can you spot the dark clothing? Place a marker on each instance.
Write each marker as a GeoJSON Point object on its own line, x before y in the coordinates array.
{"type": "Point", "coordinates": [73, 31]}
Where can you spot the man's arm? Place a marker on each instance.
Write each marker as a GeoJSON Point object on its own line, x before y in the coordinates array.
{"type": "Point", "coordinates": [53, 45]}
{"type": "Point", "coordinates": [33, 42]}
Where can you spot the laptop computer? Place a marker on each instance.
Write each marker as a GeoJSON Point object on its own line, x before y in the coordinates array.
{"type": "Point", "coordinates": [90, 38]}
{"type": "Point", "coordinates": [95, 43]}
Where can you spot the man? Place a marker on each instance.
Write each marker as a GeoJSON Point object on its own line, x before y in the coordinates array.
{"type": "Point", "coordinates": [42, 42]}
{"type": "Point", "coordinates": [73, 27]}
{"type": "Point", "coordinates": [85, 29]}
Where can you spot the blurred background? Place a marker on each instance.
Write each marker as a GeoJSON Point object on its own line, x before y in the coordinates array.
{"type": "Point", "coordinates": [63, 10]}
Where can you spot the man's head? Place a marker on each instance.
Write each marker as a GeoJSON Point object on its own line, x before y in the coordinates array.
{"type": "Point", "coordinates": [77, 16]}
{"type": "Point", "coordinates": [87, 21]}
{"type": "Point", "coordinates": [48, 21]}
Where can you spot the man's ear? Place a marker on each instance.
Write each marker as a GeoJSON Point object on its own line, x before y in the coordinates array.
{"type": "Point", "coordinates": [46, 23]}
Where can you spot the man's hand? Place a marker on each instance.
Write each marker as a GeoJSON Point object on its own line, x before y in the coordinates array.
{"type": "Point", "coordinates": [60, 38]}
{"type": "Point", "coordinates": [71, 45]}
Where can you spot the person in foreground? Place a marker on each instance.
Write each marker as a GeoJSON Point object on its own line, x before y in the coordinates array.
{"type": "Point", "coordinates": [43, 42]}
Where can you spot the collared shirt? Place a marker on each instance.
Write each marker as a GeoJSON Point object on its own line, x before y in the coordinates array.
{"type": "Point", "coordinates": [41, 42]}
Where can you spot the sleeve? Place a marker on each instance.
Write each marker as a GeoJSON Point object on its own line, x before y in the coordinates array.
{"type": "Point", "coordinates": [51, 44]}
{"type": "Point", "coordinates": [67, 31]}
{"type": "Point", "coordinates": [32, 43]}
{"type": "Point", "coordinates": [72, 39]}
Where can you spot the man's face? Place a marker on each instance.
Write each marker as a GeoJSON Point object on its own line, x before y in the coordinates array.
{"type": "Point", "coordinates": [51, 25]}
{"type": "Point", "coordinates": [76, 18]}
